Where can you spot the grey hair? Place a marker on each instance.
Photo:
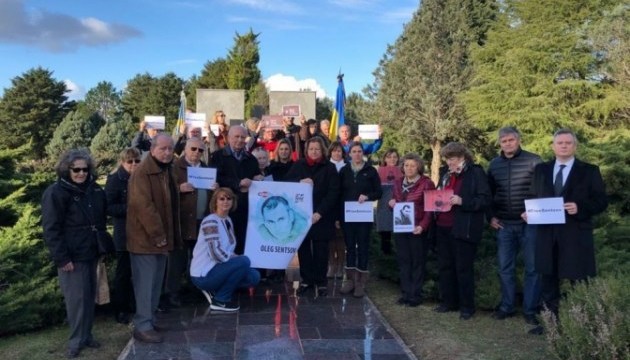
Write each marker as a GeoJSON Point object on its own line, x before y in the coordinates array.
{"type": "Point", "coordinates": [413, 157]}
{"type": "Point", "coordinates": [70, 156]}
{"type": "Point", "coordinates": [509, 130]}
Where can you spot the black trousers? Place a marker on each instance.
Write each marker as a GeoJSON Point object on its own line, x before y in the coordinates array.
{"type": "Point", "coordinates": [122, 296]}
{"type": "Point", "coordinates": [411, 253]}
{"type": "Point", "coordinates": [456, 260]}
{"type": "Point", "coordinates": [313, 256]}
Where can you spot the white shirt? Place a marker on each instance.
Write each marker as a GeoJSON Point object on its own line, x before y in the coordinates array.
{"type": "Point", "coordinates": [565, 172]}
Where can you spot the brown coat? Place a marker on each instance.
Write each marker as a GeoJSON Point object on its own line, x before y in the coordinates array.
{"type": "Point", "coordinates": [150, 207]}
{"type": "Point", "coordinates": [188, 202]}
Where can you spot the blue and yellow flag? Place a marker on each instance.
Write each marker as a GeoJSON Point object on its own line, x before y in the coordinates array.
{"type": "Point", "coordinates": [182, 112]}
{"type": "Point", "coordinates": [337, 119]}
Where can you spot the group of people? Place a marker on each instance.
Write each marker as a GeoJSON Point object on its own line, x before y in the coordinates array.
{"type": "Point", "coordinates": [164, 227]}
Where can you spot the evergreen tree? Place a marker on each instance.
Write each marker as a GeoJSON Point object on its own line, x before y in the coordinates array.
{"type": "Point", "coordinates": [323, 108]}
{"type": "Point", "coordinates": [31, 109]}
{"type": "Point", "coordinates": [242, 68]}
{"type": "Point", "coordinates": [420, 76]}
{"type": "Point", "coordinates": [539, 71]}
{"type": "Point", "coordinates": [149, 95]}
{"type": "Point", "coordinates": [110, 140]}
{"type": "Point", "coordinates": [104, 99]}
{"type": "Point", "coordinates": [75, 131]}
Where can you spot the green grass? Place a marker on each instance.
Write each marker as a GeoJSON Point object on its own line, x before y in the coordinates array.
{"type": "Point", "coordinates": [51, 343]}
{"type": "Point", "coordinates": [430, 335]}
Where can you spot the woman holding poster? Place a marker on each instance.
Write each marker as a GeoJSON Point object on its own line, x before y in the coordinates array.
{"type": "Point", "coordinates": [359, 182]}
{"type": "Point", "coordinates": [459, 229]}
{"type": "Point", "coordinates": [411, 248]}
{"type": "Point", "coordinates": [315, 169]}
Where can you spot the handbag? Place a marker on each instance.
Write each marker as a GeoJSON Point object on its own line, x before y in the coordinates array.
{"type": "Point", "coordinates": [101, 297]}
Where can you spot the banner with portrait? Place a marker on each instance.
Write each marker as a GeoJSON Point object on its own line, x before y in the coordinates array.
{"type": "Point", "coordinates": [279, 218]}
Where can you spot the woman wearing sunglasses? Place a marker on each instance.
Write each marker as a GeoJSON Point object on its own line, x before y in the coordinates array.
{"type": "Point", "coordinates": [116, 193]}
{"type": "Point", "coordinates": [73, 213]}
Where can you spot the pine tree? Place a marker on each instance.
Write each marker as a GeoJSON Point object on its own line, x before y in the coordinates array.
{"type": "Point", "coordinates": [242, 68]}
{"type": "Point", "coordinates": [104, 99]}
{"type": "Point", "coordinates": [31, 109]}
{"type": "Point", "coordinates": [149, 95]}
{"type": "Point", "coordinates": [111, 139]}
{"type": "Point", "coordinates": [75, 131]}
{"type": "Point", "coordinates": [421, 75]}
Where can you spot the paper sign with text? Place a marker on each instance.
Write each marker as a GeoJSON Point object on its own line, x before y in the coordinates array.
{"type": "Point", "coordinates": [403, 217]}
{"type": "Point", "coordinates": [291, 110]}
{"type": "Point", "coordinates": [357, 212]}
{"type": "Point", "coordinates": [196, 120]}
{"type": "Point", "coordinates": [438, 200]}
{"type": "Point", "coordinates": [368, 132]}
{"type": "Point", "coordinates": [545, 211]}
{"type": "Point", "coordinates": [202, 178]}
{"type": "Point", "coordinates": [155, 122]}
{"type": "Point", "coordinates": [273, 122]}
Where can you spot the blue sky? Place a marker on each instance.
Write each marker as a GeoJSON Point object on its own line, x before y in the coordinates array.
{"type": "Point", "coordinates": [302, 43]}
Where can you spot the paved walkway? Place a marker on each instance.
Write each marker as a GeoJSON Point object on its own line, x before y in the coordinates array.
{"type": "Point", "coordinates": [273, 323]}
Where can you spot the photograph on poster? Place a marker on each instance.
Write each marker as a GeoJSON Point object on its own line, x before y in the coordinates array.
{"type": "Point", "coordinates": [403, 217]}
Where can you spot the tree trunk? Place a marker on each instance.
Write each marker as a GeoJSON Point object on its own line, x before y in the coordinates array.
{"type": "Point", "coordinates": [436, 146]}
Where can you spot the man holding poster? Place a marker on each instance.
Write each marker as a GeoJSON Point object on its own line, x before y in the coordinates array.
{"type": "Point", "coordinates": [566, 251]}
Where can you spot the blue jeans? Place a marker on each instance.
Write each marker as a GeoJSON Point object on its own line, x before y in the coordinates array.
{"type": "Point", "coordinates": [224, 278]}
{"type": "Point", "coordinates": [509, 240]}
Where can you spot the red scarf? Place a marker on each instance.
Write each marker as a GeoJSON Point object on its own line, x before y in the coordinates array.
{"type": "Point", "coordinates": [312, 162]}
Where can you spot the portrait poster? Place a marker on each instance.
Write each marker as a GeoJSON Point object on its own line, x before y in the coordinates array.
{"type": "Point", "coordinates": [196, 120]}
{"type": "Point", "coordinates": [359, 212]}
{"type": "Point", "coordinates": [438, 200]}
{"type": "Point", "coordinates": [279, 218]}
{"type": "Point", "coordinates": [368, 132]}
{"type": "Point", "coordinates": [291, 110]}
{"type": "Point", "coordinates": [202, 177]}
{"type": "Point", "coordinates": [155, 121]}
{"type": "Point", "coordinates": [273, 122]}
{"type": "Point", "coordinates": [545, 211]}
{"type": "Point", "coordinates": [403, 217]}
{"type": "Point", "coordinates": [215, 128]}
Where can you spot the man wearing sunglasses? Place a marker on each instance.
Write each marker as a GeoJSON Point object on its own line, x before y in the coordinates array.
{"type": "Point", "coordinates": [193, 207]}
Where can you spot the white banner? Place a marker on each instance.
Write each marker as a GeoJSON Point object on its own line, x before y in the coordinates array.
{"type": "Point", "coordinates": [403, 217]}
{"type": "Point", "coordinates": [357, 212]}
{"type": "Point", "coordinates": [279, 218]}
{"type": "Point", "coordinates": [545, 211]}
{"type": "Point", "coordinates": [201, 177]}
{"type": "Point", "coordinates": [155, 122]}
{"type": "Point", "coordinates": [368, 132]}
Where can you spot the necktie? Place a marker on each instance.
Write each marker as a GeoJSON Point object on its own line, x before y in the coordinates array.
{"type": "Point", "coordinates": [557, 184]}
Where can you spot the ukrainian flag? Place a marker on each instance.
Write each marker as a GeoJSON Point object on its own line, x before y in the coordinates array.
{"type": "Point", "coordinates": [182, 111]}
{"type": "Point", "coordinates": [337, 119]}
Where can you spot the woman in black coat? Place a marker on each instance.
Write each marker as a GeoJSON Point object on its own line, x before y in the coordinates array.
{"type": "Point", "coordinates": [116, 192]}
{"type": "Point", "coordinates": [315, 169]}
{"type": "Point", "coordinates": [359, 182]}
{"type": "Point", "coordinates": [73, 215]}
{"type": "Point", "coordinates": [459, 230]}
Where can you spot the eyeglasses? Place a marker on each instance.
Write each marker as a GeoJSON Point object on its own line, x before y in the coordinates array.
{"type": "Point", "coordinates": [201, 150]}
{"type": "Point", "coordinates": [137, 161]}
{"type": "Point", "coordinates": [224, 198]}
{"type": "Point", "coordinates": [78, 170]}
{"type": "Point", "coordinates": [222, 115]}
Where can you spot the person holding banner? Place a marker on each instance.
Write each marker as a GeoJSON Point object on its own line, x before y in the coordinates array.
{"type": "Point", "coordinates": [144, 136]}
{"type": "Point", "coordinates": [389, 172]}
{"type": "Point", "coordinates": [412, 248]}
{"type": "Point", "coordinates": [215, 267]}
{"type": "Point", "coordinates": [221, 140]}
{"type": "Point", "coordinates": [359, 182]}
{"type": "Point", "coordinates": [337, 245]}
{"type": "Point", "coordinates": [566, 251]}
{"type": "Point", "coordinates": [346, 141]}
{"type": "Point", "coordinates": [315, 169]}
{"type": "Point", "coordinates": [283, 162]}
{"type": "Point", "coordinates": [459, 230]}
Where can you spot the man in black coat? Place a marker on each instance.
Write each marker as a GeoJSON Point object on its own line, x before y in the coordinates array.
{"type": "Point", "coordinates": [236, 169]}
{"type": "Point", "coordinates": [566, 251]}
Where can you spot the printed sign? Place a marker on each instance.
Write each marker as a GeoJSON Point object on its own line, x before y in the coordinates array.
{"type": "Point", "coordinates": [545, 211]}
{"type": "Point", "coordinates": [404, 215]}
{"type": "Point", "coordinates": [438, 200]}
{"type": "Point", "coordinates": [155, 122]}
{"type": "Point", "coordinates": [368, 132]}
{"type": "Point", "coordinates": [291, 110]}
{"type": "Point", "coordinates": [359, 212]}
{"type": "Point", "coordinates": [202, 178]}
{"type": "Point", "coordinates": [279, 219]}
{"type": "Point", "coordinates": [273, 122]}
{"type": "Point", "coordinates": [196, 120]}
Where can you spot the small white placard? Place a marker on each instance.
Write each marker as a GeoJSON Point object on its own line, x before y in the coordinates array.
{"type": "Point", "coordinates": [291, 110]}
{"type": "Point", "coordinates": [545, 211]}
{"type": "Point", "coordinates": [403, 217]}
{"type": "Point", "coordinates": [155, 122]}
{"type": "Point", "coordinates": [202, 178]}
{"type": "Point", "coordinates": [215, 128]}
{"type": "Point", "coordinates": [196, 120]}
{"type": "Point", "coordinates": [368, 132]}
{"type": "Point", "coordinates": [356, 212]}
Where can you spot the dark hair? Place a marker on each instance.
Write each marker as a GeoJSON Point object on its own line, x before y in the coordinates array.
{"type": "Point", "coordinates": [456, 149]}
{"type": "Point", "coordinates": [414, 157]}
{"type": "Point", "coordinates": [310, 122]}
{"type": "Point", "coordinates": [387, 153]}
{"type": "Point", "coordinates": [337, 145]}
{"type": "Point", "coordinates": [272, 202]}
{"type": "Point", "coordinates": [68, 157]}
{"type": "Point", "coordinates": [215, 197]}
{"type": "Point", "coordinates": [355, 144]}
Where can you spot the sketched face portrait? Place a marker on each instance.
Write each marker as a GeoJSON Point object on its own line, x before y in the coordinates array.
{"type": "Point", "coordinates": [277, 217]}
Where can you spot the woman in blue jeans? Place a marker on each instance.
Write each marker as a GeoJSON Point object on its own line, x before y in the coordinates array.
{"type": "Point", "coordinates": [215, 267]}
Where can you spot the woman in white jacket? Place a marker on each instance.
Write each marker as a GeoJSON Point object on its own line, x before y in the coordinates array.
{"type": "Point", "coordinates": [215, 268]}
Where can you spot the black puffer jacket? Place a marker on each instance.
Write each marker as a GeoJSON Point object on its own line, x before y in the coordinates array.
{"type": "Point", "coordinates": [68, 213]}
{"type": "Point", "coordinates": [366, 182]}
{"type": "Point", "coordinates": [116, 193]}
{"type": "Point", "coordinates": [510, 180]}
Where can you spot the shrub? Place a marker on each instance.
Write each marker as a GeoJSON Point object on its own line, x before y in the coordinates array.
{"type": "Point", "coordinates": [593, 321]}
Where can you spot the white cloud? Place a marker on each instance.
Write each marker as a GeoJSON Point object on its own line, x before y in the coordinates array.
{"type": "Point", "coordinates": [353, 4]}
{"type": "Point", "coordinates": [400, 15]}
{"type": "Point", "coordinates": [56, 32]}
{"type": "Point", "coordinates": [76, 92]}
{"type": "Point", "coordinates": [280, 82]}
{"type": "Point", "coordinates": [276, 6]}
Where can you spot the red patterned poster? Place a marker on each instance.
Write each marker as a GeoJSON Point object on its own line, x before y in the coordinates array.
{"type": "Point", "coordinates": [438, 200]}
